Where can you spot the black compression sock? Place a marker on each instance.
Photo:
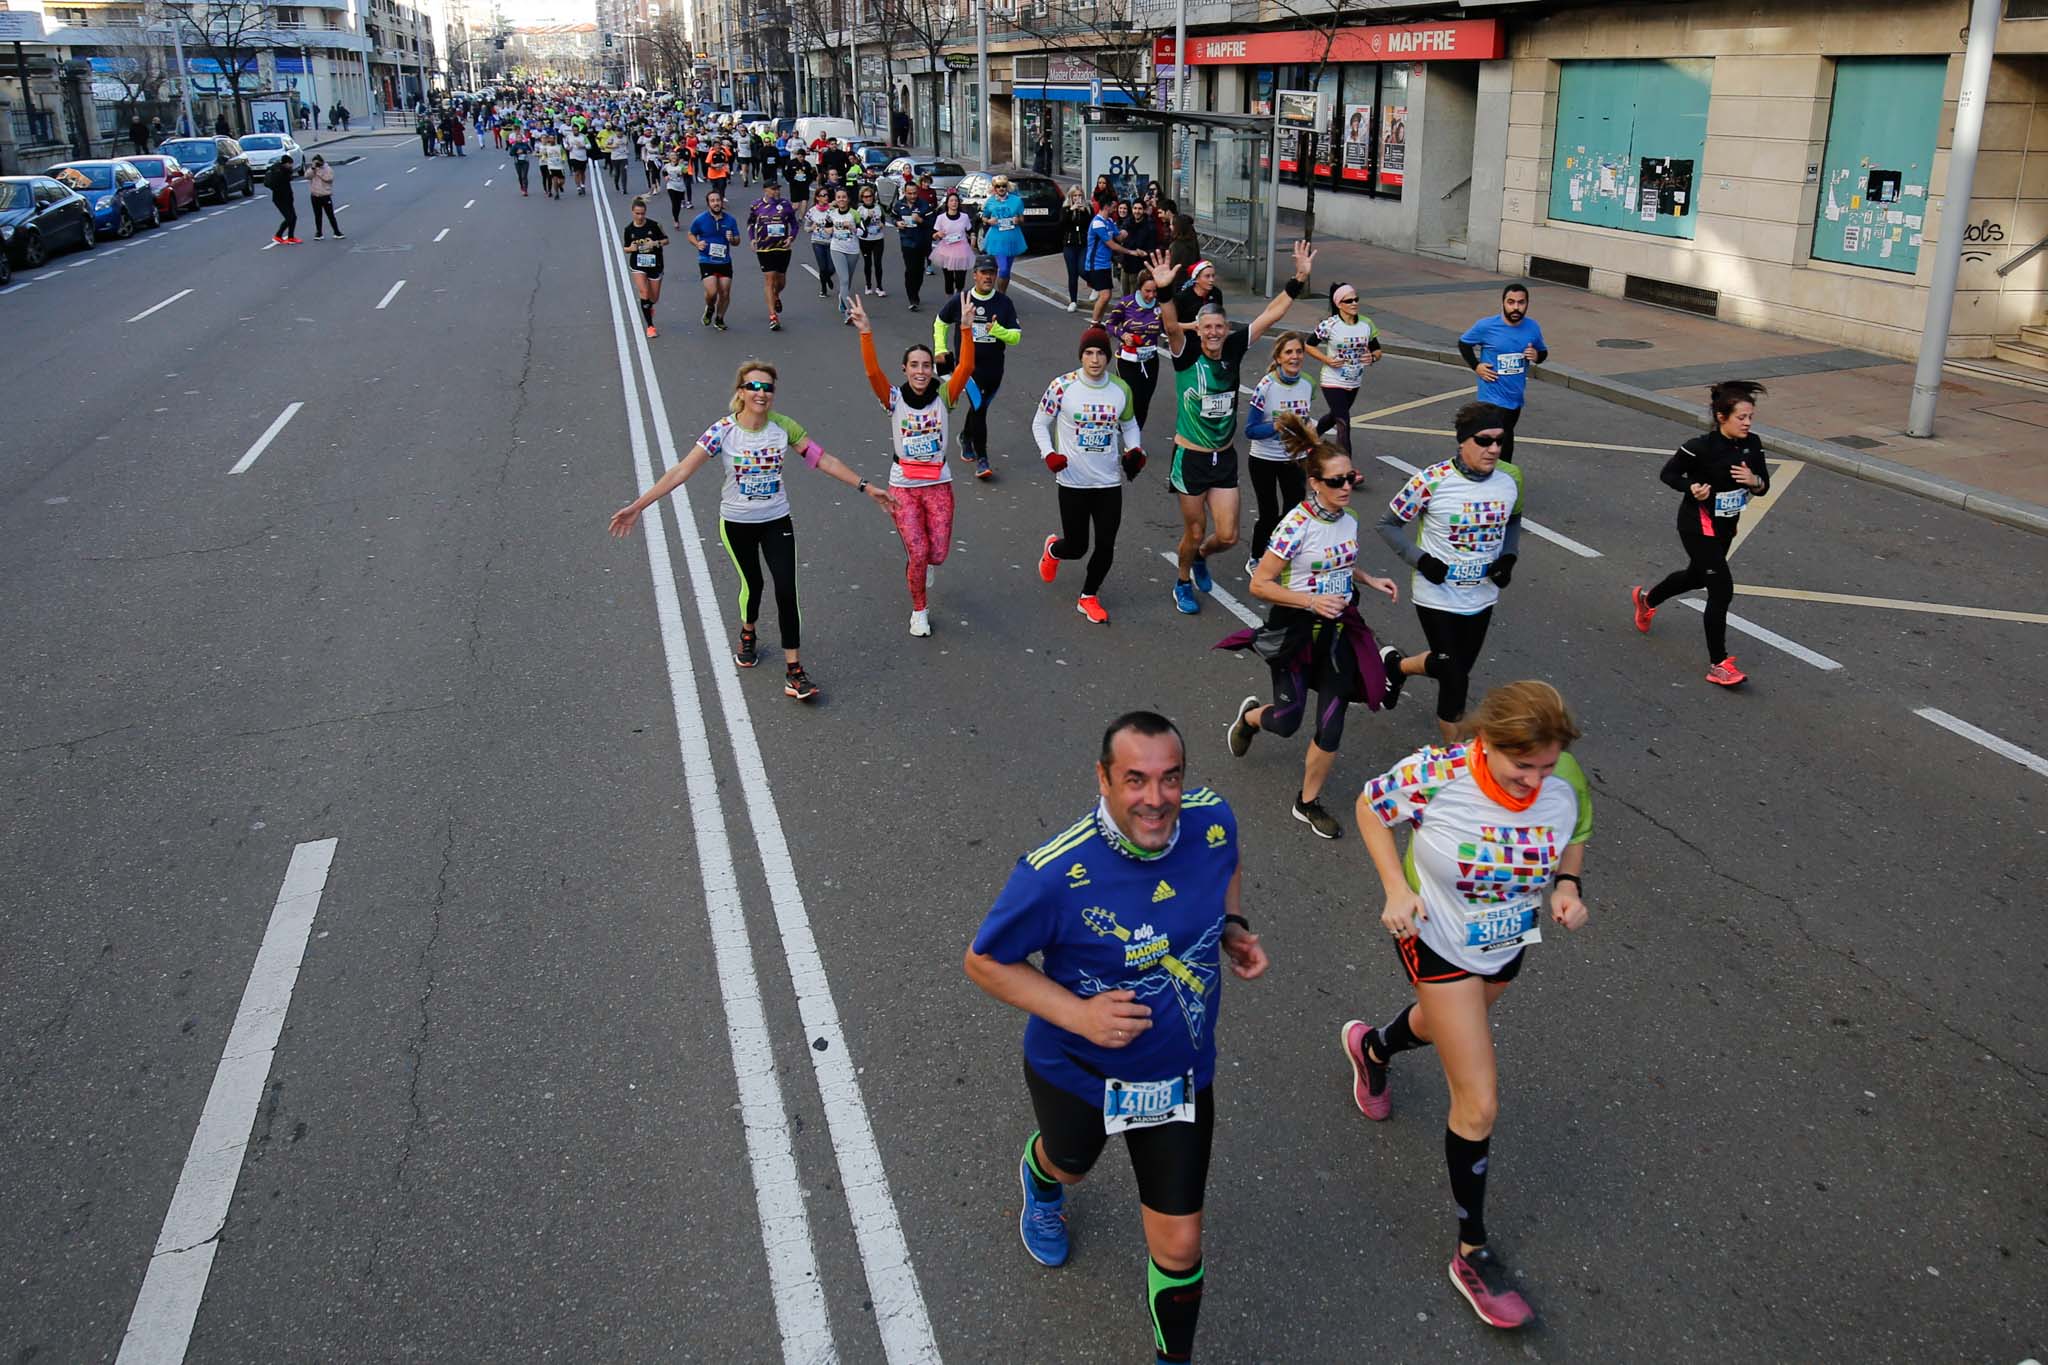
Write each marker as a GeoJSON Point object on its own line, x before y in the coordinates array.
{"type": "Point", "coordinates": [1043, 1185]}
{"type": "Point", "coordinates": [646, 313]}
{"type": "Point", "coordinates": [1396, 1037]}
{"type": "Point", "coordinates": [1176, 1297]}
{"type": "Point", "coordinates": [1467, 1160]}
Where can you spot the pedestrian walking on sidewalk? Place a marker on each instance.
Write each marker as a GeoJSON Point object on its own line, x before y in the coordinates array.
{"type": "Point", "coordinates": [320, 185]}
{"type": "Point", "coordinates": [1500, 349]}
{"type": "Point", "coordinates": [1718, 473]}
{"type": "Point", "coordinates": [278, 180]}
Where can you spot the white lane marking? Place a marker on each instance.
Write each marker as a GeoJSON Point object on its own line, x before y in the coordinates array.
{"type": "Point", "coordinates": [1535, 528]}
{"type": "Point", "coordinates": [160, 1328]}
{"type": "Point", "coordinates": [410, 169]}
{"type": "Point", "coordinates": [487, 184]}
{"type": "Point", "coordinates": [793, 1278]}
{"type": "Point", "coordinates": [470, 205]}
{"type": "Point", "coordinates": [442, 233]}
{"type": "Point", "coordinates": [269, 435]}
{"type": "Point", "coordinates": [342, 209]}
{"type": "Point", "coordinates": [1770, 637]}
{"type": "Point", "coordinates": [165, 304]}
{"type": "Point", "coordinates": [117, 250]}
{"type": "Point", "coordinates": [501, 166]}
{"type": "Point", "coordinates": [16, 288]}
{"type": "Point", "coordinates": [901, 1318]}
{"type": "Point", "coordinates": [179, 227]}
{"type": "Point", "coordinates": [2003, 748]}
{"type": "Point", "coordinates": [1230, 604]}
{"type": "Point", "coordinates": [268, 245]}
{"type": "Point", "coordinates": [389, 295]}
{"type": "Point", "coordinates": [380, 187]}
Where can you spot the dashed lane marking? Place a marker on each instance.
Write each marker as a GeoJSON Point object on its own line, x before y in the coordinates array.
{"type": "Point", "coordinates": [389, 295]}
{"type": "Point", "coordinates": [442, 233]}
{"type": "Point", "coordinates": [2003, 748]}
{"type": "Point", "coordinates": [1365, 417]}
{"type": "Point", "coordinates": [470, 205]}
{"type": "Point", "coordinates": [263, 441]}
{"type": "Point", "coordinates": [386, 183]}
{"type": "Point", "coordinates": [156, 306]}
{"type": "Point", "coordinates": [1769, 637]}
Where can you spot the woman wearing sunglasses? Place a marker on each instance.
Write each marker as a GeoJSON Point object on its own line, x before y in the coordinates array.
{"type": "Point", "coordinates": [1469, 514]}
{"type": "Point", "coordinates": [753, 444]}
{"type": "Point", "coordinates": [1345, 344]}
{"type": "Point", "coordinates": [1313, 637]}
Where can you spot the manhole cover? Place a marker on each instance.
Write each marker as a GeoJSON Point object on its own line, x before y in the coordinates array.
{"type": "Point", "coordinates": [1855, 442]}
{"type": "Point", "coordinates": [1623, 344]}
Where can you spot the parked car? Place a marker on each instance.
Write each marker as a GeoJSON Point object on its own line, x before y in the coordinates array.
{"type": "Point", "coordinates": [176, 190]}
{"type": "Point", "coordinates": [811, 127]}
{"type": "Point", "coordinates": [872, 155]}
{"type": "Point", "coordinates": [120, 196]}
{"type": "Point", "coordinates": [39, 216]}
{"type": "Point", "coordinates": [216, 163]}
{"type": "Point", "coordinates": [1042, 199]}
{"type": "Point", "coordinates": [945, 175]}
{"type": "Point", "coordinates": [264, 148]}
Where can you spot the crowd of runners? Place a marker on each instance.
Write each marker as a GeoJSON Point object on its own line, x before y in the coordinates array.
{"type": "Point", "coordinates": [1113, 935]}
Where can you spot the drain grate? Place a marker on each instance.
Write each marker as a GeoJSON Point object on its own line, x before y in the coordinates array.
{"type": "Point", "coordinates": [1624, 344]}
{"type": "Point", "coordinates": [1855, 442]}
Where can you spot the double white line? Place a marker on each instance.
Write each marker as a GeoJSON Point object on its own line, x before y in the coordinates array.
{"type": "Point", "coordinates": [800, 1310]}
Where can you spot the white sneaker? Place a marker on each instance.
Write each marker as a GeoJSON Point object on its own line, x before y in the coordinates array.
{"type": "Point", "coordinates": [1072, 305]}
{"type": "Point", "coordinates": [920, 623]}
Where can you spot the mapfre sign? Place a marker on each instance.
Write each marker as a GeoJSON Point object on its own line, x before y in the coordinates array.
{"type": "Point", "coordinates": [1462, 40]}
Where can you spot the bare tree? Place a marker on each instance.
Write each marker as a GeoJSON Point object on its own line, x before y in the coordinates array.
{"type": "Point", "coordinates": [827, 20]}
{"type": "Point", "coordinates": [1311, 149]}
{"type": "Point", "coordinates": [1107, 36]}
{"type": "Point", "coordinates": [673, 53]}
{"type": "Point", "coordinates": [931, 24]}
{"type": "Point", "coordinates": [231, 33]}
{"type": "Point", "coordinates": [142, 73]}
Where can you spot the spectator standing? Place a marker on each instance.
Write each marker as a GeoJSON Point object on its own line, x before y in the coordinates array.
{"type": "Point", "coordinates": [278, 180]}
{"type": "Point", "coordinates": [320, 187]}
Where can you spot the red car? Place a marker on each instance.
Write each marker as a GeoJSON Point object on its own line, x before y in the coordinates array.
{"type": "Point", "coordinates": [175, 188]}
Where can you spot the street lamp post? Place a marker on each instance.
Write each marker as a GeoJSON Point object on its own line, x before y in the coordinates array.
{"type": "Point", "coordinates": [184, 78]}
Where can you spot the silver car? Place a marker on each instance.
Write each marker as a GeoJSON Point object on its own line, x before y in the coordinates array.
{"type": "Point", "coordinates": [945, 176]}
{"type": "Point", "coordinates": [264, 148]}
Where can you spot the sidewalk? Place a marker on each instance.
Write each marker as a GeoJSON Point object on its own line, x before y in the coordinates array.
{"type": "Point", "coordinates": [1841, 409]}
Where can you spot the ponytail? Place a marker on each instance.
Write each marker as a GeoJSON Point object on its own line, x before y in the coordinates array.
{"type": "Point", "coordinates": [1304, 446]}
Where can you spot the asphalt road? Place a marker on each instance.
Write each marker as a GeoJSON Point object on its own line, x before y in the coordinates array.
{"type": "Point", "coordinates": [631, 1024]}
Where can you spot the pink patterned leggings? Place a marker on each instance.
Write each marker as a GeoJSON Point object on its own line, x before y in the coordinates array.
{"type": "Point", "coordinates": [924, 518]}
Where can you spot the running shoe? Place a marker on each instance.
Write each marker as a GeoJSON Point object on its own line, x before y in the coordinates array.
{"type": "Point", "coordinates": [1199, 571]}
{"type": "Point", "coordinates": [797, 683]}
{"type": "Point", "coordinates": [981, 469]}
{"type": "Point", "coordinates": [1048, 567]}
{"type": "Point", "coordinates": [1091, 608]}
{"type": "Point", "coordinates": [775, 322]}
{"type": "Point", "coordinates": [749, 653]}
{"type": "Point", "coordinates": [1483, 1280]}
{"type": "Point", "coordinates": [880, 292]}
{"type": "Point", "coordinates": [1242, 732]}
{"type": "Point", "coordinates": [1390, 664]}
{"type": "Point", "coordinates": [1251, 565]}
{"type": "Point", "coordinates": [651, 333]}
{"type": "Point", "coordinates": [293, 241]}
{"type": "Point", "coordinates": [707, 315]}
{"type": "Point", "coordinates": [1042, 1223]}
{"type": "Point", "coordinates": [719, 323]}
{"type": "Point", "coordinates": [276, 240]}
{"type": "Point", "coordinates": [920, 623]}
{"type": "Point", "coordinates": [1073, 305]}
{"type": "Point", "coordinates": [1727, 674]}
{"type": "Point", "coordinates": [1184, 599]}
{"type": "Point", "coordinates": [1645, 613]}
{"type": "Point", "coordinates": [1368, 1078]}
{"type": "Point", "coordinates": [1312, 814]}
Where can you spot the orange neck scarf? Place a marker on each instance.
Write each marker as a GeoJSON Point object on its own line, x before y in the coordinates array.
{"type": "Point", "coordinates": [1483, 775]}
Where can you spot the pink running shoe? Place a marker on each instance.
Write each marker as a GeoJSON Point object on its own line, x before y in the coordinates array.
{"type": "Point", "coordinates": [1374, 1104]}
{"type": "Point", "coordinates": [1483, 1280]}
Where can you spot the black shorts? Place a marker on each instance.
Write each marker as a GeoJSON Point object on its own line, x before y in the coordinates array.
{"type": "Point", "coordinates": [1097, 279]}
{"type": "Point", "coordinates": [647, 272]}
{"type": "Point", "coordinates": [773, 260]}
{"type": "Point", "coordinates": [1195, 472]}
{"type": "Point", "coordinates": [714, 269]}
{"type": "Point", "coordinates": [1424, 964]}
{"type": "Point", "coordinates": [1171, 1160]}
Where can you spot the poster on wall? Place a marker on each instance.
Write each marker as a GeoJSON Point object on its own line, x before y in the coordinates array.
{"type": "Point", "coordinates": [1393, 144]}
{"type": "Point", "coordinates": [1357, 140]}
{"type": "Point", "coordinates": [1873, 173]}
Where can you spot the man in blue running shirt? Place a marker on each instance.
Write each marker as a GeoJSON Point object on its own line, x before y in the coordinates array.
{"type": "Point", "coordinates": [714, 233]}
{"type": "Point", "coordinates": [1500, 350]}
{"type": "Point", "coordinates": [1133, 909]}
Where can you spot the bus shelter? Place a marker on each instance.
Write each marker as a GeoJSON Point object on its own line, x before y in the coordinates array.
{"type": "Point", "coordinates": [1216, 166]}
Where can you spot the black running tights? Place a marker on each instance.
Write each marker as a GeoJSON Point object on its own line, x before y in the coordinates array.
{"type": "Point", "coordinates": [1706, 567]}
{"type": "Point", "coordinates": [749, 542]}
{"type": "Point", "coordinates": [1277, 485]}
{"type": "Point", "coordinates": [871, 263]}
{"type": "Point", "coordinates": [1082, 510]}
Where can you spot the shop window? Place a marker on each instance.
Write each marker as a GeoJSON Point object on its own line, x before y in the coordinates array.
{"type": "Point", "coordinates": [1873, 177]}
{"type": "Point", "coordinates": [1371, 104]}
{"type": "Point", "coordinates": [1630, 136]}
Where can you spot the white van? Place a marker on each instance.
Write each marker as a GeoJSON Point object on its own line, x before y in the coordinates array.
{"type": "Point", "coordinates": [812, 128]}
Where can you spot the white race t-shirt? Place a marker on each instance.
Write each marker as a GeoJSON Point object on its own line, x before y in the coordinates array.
{"type": "Point", "coordinates": [920, 437]}
{"type": "Point", "coordinates": [754, 466]}
{"type": "Point", "coordinates": [1464, 524]}
{"type": "Point", "coordinates": [1347, 343]}
{"type": "Point", "coordinates": [1092, 424]}
{"type": "Point", "coordinates": [1276, 393]}
{"type": "Point", "coordinates": [1319, 554]}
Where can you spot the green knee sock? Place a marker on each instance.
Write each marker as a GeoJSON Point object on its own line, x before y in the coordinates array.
{"type": "Point", "coordinates": [1046, 1186]}
{"type": "Point", "coordinates": [1176, 1297]}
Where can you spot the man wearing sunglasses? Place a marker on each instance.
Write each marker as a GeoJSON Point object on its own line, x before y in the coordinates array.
{"type": "Point", "coordinates": [1463, 552]}
{"type": "Point", "coordinates": [1500, 350]}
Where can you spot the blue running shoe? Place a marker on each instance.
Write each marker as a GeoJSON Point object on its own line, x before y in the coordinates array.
{"type": "Point", "coordinates": [1184, 598]}
{"type": "Point", "coordinates": [1043, 1222]}
{"type": "Point", "coordinates": [1199, 571]}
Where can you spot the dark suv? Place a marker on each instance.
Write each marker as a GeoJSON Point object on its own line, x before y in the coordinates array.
{"type": "Point", "coordinates": [218, 166]}
{"type": "Point", "coordinates": [1042, 199]}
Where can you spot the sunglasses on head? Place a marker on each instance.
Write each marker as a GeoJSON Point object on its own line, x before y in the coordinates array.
{"type": "Point", "coordinates": [1485, 440]}
{"type": "Point", "coordinates": [758, 386]}
{"type": "Point", "coordinates": [1351, 480]}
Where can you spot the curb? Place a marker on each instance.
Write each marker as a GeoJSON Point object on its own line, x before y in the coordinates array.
{"type": "Point", "coordinates": [2010, 511]}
